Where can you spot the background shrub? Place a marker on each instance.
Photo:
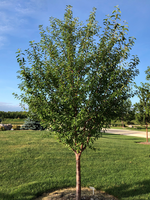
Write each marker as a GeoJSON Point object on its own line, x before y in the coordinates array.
{"type": "Point", "coordinates": [130, 123]}
{"type": "Point", "coordinates": [118, 125]}
{"type": "Point", "coordinates": [16, 127]}
{"type": "Point", "coordinates": [2, 128]}
{"type": "Point", "coordinates": [31, 124]}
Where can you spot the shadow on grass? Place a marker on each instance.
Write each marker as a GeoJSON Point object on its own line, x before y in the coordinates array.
{"type": "Point", "coordinates": [5, 196]}
{"type": "Point", "coordinates": [32, 191]}
{"type": "Point", "coordinates": [128, 191]}
{"type": "Point", "coordinates": [23, 196]}
{"type": "Point", "coordinates": [125, 191]}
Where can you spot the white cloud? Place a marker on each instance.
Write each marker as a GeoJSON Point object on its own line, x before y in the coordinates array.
{"type": "Point", "coordinates": [15, 17]}
{"type": "Point", "coordinates": [9, 107]}
{"type": "Point", "coordinates": [3, 41]}
{"type": "Point", "coordinates": [5, 23]}
{"type": "Point", "coordinates": [25, 9]}
{"type": "Point", "coordinates": [5, 4]}
{"type": "Point", "coordinates": [5, 106]}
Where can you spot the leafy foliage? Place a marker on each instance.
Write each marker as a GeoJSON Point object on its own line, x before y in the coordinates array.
{"type": "Point", "coordinates": [143, 107]}
{"type": "Point", "coordinates": [148, 73]}
{"type": "Point", "coordinates": [128, 112]}
{"type": "Point", "coordinates": [80, 81]}
{"type": "Point", "coordinates": [16, 127]}
{"type": "Point", "coordinates": [2, 128]}
{"type": "Point", "coordinates": [13, 115]}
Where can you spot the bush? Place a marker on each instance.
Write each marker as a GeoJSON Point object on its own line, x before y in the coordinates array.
{"type": "Point", "coordinates": [138, 127]}
{"type": "Point", "coordinates": [118, 125]}
{"type": "Point", "coordinates": [16, 127]}
{"type": "Point", "coordinates": [2, 128]}
{"type": "Point", "coordinates": [130, 123]}
{"type": "Point", "coordinates": [31, 124]}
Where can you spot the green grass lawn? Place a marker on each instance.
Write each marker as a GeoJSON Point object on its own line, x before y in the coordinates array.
{"type": "Point", "coordinates": [13, 121]}
{"type": "Point", "coordinates": [31, 164]}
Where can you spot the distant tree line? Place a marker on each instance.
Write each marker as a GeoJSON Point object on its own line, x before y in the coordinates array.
{"type": "Point", "coordinates": [13, 115]}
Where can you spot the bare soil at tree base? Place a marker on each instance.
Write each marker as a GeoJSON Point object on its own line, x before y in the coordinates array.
{"type": "Point", "coordinates": [70, 194]}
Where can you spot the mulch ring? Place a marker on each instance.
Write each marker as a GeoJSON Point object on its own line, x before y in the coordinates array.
{"type": "Point", "coordinates": [69, 194]}
{"type": "Point", "coordinates": [147, 143]}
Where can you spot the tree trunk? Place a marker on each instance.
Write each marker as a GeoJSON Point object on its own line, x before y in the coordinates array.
{"type": "Point", "coordinates": [146, 132]}
{"type": "Point", "coordinates": [78, 177]}
{"type": "Point", "coordinates": [122, 124]}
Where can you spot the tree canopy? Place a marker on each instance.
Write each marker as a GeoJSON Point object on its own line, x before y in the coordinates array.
{"type": "Point", "coordinates": [147, 72]}
{"type": "Point", "coordinates": [77, 78]}
{"type": "Point", "coordinates": [142, 108]}
{"type": "Point", "coordinates": [128, 112]}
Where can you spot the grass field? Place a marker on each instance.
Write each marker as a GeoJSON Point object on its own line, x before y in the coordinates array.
{"type": "Point", "coordinates": [32, 163]}
{"type": "Point", "coordinates": [13, 121]}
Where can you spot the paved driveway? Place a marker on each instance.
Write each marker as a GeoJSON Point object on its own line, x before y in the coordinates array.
{"type": "Point", "coordinates": [127, 132]}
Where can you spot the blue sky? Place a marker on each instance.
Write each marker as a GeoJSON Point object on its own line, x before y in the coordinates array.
{"type": "Point", "coordinates": [19, 21]}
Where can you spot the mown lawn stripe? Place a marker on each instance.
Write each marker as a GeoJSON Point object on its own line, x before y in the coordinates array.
{"type": "Point", "coordinates": [32, 163]}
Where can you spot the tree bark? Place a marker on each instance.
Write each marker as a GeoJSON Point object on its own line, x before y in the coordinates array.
{"type": "Point", "coordinates": [78, 177]}
{"type": "Point", "coordinates": [122, 124]}
{"type": "Point", "coordinates": [146, 132]}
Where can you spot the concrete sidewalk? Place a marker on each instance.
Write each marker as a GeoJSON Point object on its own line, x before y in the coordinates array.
{"type": "Point", "coordinates": [127, 132]}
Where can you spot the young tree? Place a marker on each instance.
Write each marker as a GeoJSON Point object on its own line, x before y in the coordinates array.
{"type": "Point", "coordinates": [77, 79]}
{"type": "Point", "coordinates": [143, 107]}
{"type": "Point", "coordinates": [128, 113]}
